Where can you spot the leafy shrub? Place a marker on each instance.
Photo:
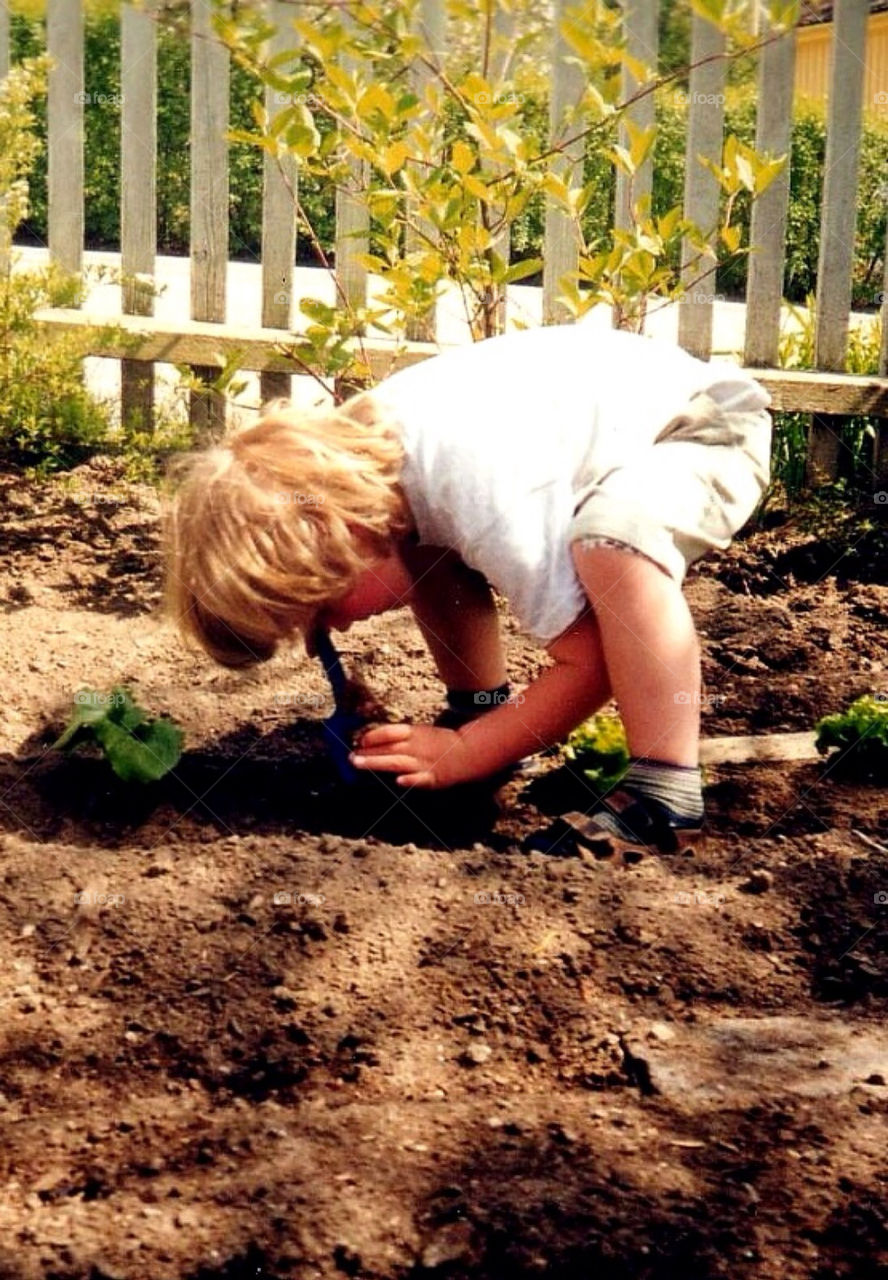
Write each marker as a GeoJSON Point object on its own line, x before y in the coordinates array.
{"type": "Point", "coordinates": [859, 735]}
{"type": "Point", "coordinates": [47, 417]}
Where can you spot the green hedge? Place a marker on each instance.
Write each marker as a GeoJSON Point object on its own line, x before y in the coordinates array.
{"type": "Point", "coordinates": [103, 195]}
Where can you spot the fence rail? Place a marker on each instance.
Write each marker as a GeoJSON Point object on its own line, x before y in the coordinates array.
{"type": "Point", "coordinates": [205, 340]}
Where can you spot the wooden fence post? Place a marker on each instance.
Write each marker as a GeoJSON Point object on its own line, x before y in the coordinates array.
{"type": "Point", "coordinates": [767, 237]}
{"type": "Point", "coordinates": [352, 240]}
{"type": "Point", "coordinates": [493, 310]}
{"type": "Point", "coordinates": [138, 200]}
{"type": "Point", "coordinates": [5, 231]}
{"type": "Point", "coordinates": [560, 248]}
{"type": "Point", "coordinates": [642, 43]}
{"type": "Point", "coordinates": [66, 100]}
{"type": "Point", "coordinates": [279, 194]}
{"type": "Point", "coordinates": [880, 449]}
{"type": "Point", "coordinates": [430, 18]}
{"type": "Point", "coordinates": [837, 224]}
{"type": "Point", "coordinates": [706, 114]}
{"type": "Point", "coordinates": [209, 200]}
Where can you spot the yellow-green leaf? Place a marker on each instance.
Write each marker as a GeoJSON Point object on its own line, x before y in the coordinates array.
{"type": "Point", "coordinates": [640, 142]}
{"type": "Point", "coordinates": [767, 172]}
{"type": "Point", "coordinates": [521, 270]}
{"type": "Point", "coordinates": [668, 223]}
{"type": "Point", "coordinates": [622, 159]}
{"type": "Point", "coordinates": [394, 156]}
{"type": "Point", "coordinates": [462, 157]}
{"type": "Point", "coordinates": [476, 187]}
{"type": "Point", "coordinates": [374, 99]}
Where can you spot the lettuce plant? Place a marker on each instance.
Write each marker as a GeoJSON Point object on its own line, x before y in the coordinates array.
{"type": "Point", "coordinates": [599, 750]}
{"type": "Point", "coordinates": [859, 737]}
{"type": "Point", "coordinates": [138, 748]}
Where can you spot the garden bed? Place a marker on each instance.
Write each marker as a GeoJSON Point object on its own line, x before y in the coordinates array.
{"type": "Point", "coordinates": [662, 1069]}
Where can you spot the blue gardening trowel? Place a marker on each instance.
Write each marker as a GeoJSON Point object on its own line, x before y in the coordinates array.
{"type": "Point", "coordinates": [340, 727]}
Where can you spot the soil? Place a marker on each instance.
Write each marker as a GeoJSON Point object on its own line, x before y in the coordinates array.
{"type": "Point", "coordinates": [664, 1068]}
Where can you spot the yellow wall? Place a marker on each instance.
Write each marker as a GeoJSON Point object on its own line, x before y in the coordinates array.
{"type": "Point", "coordinates": [813, 49]}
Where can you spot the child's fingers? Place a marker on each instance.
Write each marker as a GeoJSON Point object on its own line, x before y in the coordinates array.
{"type": "Point", "coordinates": [384, 735]}
{"type": "Point", "coordinates": [424, 779]}
{"type": "Point", "coordinates": [387, 763]}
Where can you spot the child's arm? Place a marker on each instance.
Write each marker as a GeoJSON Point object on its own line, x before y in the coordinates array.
{"type": "Point", "coordinates": [454, 608]}
{"type": "Point", "coordinates": [549, 708]}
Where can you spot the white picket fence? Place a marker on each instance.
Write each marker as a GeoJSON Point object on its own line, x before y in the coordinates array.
{"type": "Point", "coordinates": [205, 339]}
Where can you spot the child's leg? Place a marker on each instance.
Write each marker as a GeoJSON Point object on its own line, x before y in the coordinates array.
{"type": "Point", "coordinates": [650, 648]}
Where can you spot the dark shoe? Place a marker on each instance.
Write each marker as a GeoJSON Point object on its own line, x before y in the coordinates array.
{"type": "Point", "coordinates": [624, 822]}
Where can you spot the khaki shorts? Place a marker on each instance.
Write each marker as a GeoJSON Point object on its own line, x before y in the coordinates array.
{"type": "Point", "coordinates": [687, 494]}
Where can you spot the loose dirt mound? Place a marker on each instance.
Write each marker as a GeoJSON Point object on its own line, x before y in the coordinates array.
{"type": "Point", "coordinates": [256, 1025]}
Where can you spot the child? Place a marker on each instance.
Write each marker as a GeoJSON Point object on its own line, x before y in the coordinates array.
{"type": "Point", "coordinates": [577, 472]}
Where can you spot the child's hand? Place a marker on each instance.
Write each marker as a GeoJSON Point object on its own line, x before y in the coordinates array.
{"type": "Point", "coordinates": [420, 754]}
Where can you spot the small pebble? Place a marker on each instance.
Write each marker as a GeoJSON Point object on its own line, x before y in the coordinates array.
{"type": "Point", "coordinates": [758, 881]}
{"type": "Point", "coordinates": [661, 1031]}
{"type": "Point", "coordinates": [477, 1054]}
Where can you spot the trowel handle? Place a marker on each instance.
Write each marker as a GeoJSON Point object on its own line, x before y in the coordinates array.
{"type": "Point", "coordinates": [329, 655]}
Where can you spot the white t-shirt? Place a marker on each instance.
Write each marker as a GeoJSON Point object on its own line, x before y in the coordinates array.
{"type": "Point", "coordinates": [496, 434]}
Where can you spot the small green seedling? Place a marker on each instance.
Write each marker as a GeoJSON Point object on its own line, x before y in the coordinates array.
{"type": "Point", "coordinates": [598, 748]}
{"type": "Point", "coordinates": [860, 735]}
{"type": "Point", "coordinates": [138, 748]}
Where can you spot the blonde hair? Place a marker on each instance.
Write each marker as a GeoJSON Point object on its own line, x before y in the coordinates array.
{"type": "Point", "coordinates": [278, 520]}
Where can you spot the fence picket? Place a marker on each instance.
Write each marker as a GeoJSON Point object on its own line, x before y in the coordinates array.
{"type": "Point", "coordinates": [209, 196]}
{"type": "Point", "coordinates": [560, 247]}
{"type": "Point", "coordinates": [64, 42]}
{"type": "Point", "coordinates": [429, 18]}
{"type": "Point", "coordinates": [642, 43]}
{"type": "Point", "coordinates": [880, 449]}
{"type": "Point", "coordinates": [706, 112]}
{"type": "Point", "coordinates": [138, 198]}
{"type": "Point", "coordinates": [767, 236]}
{"type": "Point", "coordinates": [494, 307]}
{"type": "Point", "coordinates": [838, 222]}
{"type": "Point", "coordinates": [352, 239]}
{"type": "Point", "coordinates": [279, 195]}
{"type": "Point", "coordinates": [5, 233]}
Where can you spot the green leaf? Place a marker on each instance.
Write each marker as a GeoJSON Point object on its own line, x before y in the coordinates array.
{"type": "Point", "coordinates": [320, 312]}
{"type": "Point", "coordinates": [144, 754]}
{"type": "Point", "coordinates": [521, 270]}
{"type": "Point", "coordinates": [712, 10]}
{"type": "Point", "coordinates": [89, 708]}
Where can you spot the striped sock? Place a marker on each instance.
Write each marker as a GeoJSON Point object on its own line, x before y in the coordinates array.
{"type": "Point", "coordinates": [678, 787]}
